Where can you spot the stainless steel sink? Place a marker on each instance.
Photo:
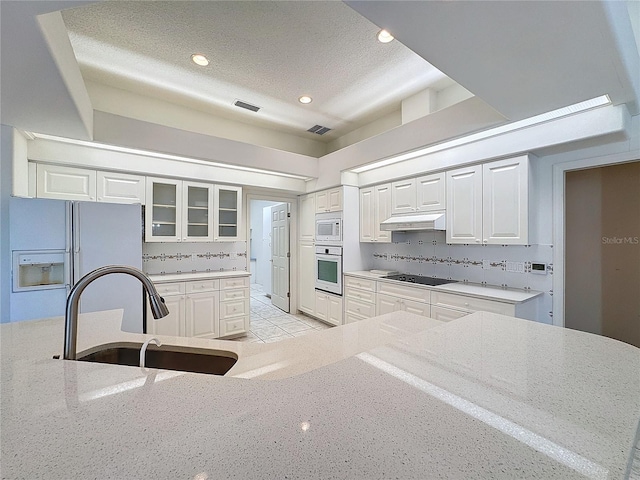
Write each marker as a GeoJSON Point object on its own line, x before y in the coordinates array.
{"type": "Point", "coordinates": [197, 360]}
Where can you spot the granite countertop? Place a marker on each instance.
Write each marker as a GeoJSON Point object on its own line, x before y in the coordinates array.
{"type": "Point", "coordinates": [507, 295]}
{"type": "Point", "coordinates": [398, 396]}
{"type": "Point", "coordinates": [187, 276]}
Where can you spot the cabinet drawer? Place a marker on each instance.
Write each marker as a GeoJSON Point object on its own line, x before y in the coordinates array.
{"type": "Point", "coordinates": [203, 286]}
{"type": "Point", "coordinates": [234, 282]}
{"type": "Point", "coordinates": [170, 288]}
{"type": "Point", "coordinates": [404, 291]}
{"type": "Point", "coordinates": [352, 318]}
{"type": "Point", "coordinates": [238, 293]}
{"type": "Point", "coordinates": [364, 309]}
{"type": "Point", "coordinates": [233, 326]}
{"type": "Point", "coordinates": [361, 295]}
{"type": "Point", "coordinates": [360, 283]}
{"type": "Point", "coordinates": [471, 304]}
{"type": "Point", "coordinates": [417, 308]}
{"type": "Point", "coordinates": [446, 314]}
{"type": "Point", "coordinates": [234, 308]}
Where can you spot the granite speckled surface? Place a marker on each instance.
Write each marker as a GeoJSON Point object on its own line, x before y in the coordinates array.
{"type": "Point", "coordinates": [488, 292]}
{"type": "Point", "coordinates": [484, 396]}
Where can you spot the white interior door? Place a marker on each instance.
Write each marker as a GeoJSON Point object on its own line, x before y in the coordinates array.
{"type": "Point", "coordinates": [280, 256]}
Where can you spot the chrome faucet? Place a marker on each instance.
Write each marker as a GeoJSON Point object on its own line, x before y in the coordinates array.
{"type": "Point", "coordinates": [158, 308]}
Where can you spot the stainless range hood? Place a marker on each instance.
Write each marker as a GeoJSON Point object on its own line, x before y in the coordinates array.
{"type": "Point", "coordinates": [405, 223]}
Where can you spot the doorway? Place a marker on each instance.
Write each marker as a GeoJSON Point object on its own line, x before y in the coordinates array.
{"type": "Point", "coordinates": [602, 251]}
{"type": "Point", "coordinates": [269, 251]}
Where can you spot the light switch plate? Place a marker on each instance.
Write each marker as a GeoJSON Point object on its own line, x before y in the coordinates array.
{"type": "Point", "coordinates": [486, 264]}
{"type": "Point", "coordinates": [515, 267]}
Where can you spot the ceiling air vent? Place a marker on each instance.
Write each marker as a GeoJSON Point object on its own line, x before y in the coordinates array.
{"type": "Point", "coordinates": [319, 129]}
{"type": "Point", "coordinates": [248, 106]}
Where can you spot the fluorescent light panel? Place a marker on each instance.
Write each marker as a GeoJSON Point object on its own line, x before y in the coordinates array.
{"type": "Point", "coordinates": [527, 122]}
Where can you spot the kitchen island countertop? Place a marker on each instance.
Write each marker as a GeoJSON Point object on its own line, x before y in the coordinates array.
{"type": "Point", "coordinates": [484, 396]}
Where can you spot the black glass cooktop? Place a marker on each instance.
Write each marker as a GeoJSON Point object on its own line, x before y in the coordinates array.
{"type": "Point", "coordinates": [419, 279]}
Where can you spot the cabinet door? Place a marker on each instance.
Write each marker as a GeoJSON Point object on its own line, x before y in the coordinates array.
{"type": "Point", "coordinates": [65, 183]}
{"type": "Point", "coordinates": [228, 213]}
{"type": "Point", "coordinates": [201, 317]}
{"type": "Point", "coordinates": [464, 205]}
{"type": "Point", "coordinates": [120, 188]}
{"type": "Point", "coordinates": [382, 203]}
{"type": "Point", "coordinates": [322, 306]}
{"type": "Point", "coordinates": [367, 214]}
{"type": "Point", "coordinates": [335, 199]}
{"type": "Point", "coordinates": [163, 212]}
{"type": "Point", "coordinates": [174, 323]}
{"type": "Point", "coordinates": [431, 193]}
{"type": "Point", "coordinates": [334, 312]}
{"type": "Point", "coordinates": [322, 201]}
{"type": "Point", "coordinates": [505, 202]}
{"type": "Point", "coordinates": [197, 212]}
{"type": "Point", "coordinates": [306, 280]}
{"type": "Point", "coordinates": [403, 196]}
{"type": "Point", "coordinates": [387, 304]}
{"type": "Point", "coordinates": [307, 218]}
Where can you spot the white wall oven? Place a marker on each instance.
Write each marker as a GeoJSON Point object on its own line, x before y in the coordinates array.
{"type": "Point", "coordinates": [329, 269]}
{"type": "Point", "coordinates": [329, 228]}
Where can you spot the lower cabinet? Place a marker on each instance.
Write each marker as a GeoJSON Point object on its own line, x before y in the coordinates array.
{"type": "Point", "coordinates": [388, 304]}
{"type": "Point", "coordinates": [446, 314]}
{"type": "Point", "coordinates": [306, 276]}
{"type": "Point", "coordinates": [206, 309]}
{"type": "Point", "coordinates": [328, 308]}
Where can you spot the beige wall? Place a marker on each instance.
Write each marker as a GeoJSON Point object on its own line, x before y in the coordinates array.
{"type": "Point", "coordinates": [602, 289]}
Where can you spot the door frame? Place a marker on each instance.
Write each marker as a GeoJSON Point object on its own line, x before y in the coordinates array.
{"type": "Point", "coordinates": [558, 201]}
{"type": "Point", "coordinates": [292, 200]}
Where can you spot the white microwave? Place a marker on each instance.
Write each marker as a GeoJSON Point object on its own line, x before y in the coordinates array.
{"type": "Point", "coordinates": [329, 228]}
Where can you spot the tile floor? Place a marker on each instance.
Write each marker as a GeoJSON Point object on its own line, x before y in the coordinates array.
{"type": "Point", "coordinates": [270, 324]}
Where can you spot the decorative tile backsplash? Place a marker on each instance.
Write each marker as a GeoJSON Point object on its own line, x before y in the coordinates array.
{"type": "Point", "coordinates": [428, 254]}
{"type": "Point", "coordinates": [159, 258]}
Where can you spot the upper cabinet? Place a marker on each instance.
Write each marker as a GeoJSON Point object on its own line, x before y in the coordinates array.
{"type": "Point", "coordinates": [65, 183]}
{"type": "Point", "coordinates": [197, 212]}
{"type": "Point", "coordinates": [375, 207]}
{"type": "Point", "coordinates": [329, 200]}
{"type": "Point", "coordinates": [69, 183]}
{"type": "Point", "coordinates": [307, 215]}
{"type": "Point", "coordinates": [228, 213]}
{"type": "Point", "coordinates": [120, 187]}
{"type": "Point", "coordinates": [488, 204]}
{"type": "Point", "coordinates": [163, 212]}
{"type": "Point", "coordinates": [422, 194]}
{"type": "Point", "coordinates": [181, 211]}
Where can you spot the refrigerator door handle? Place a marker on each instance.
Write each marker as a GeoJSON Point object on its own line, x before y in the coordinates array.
{"type": "Point", "coordinates": [75, 241]}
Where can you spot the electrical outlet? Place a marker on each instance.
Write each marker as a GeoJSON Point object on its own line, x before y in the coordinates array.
{"type": "Point", "coordinates": [486, 264]}
{"type": "Point", "coordinates": [515, 267]}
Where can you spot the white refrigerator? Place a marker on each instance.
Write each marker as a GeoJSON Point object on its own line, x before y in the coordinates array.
{"type": "Point", "coordinates": [90, 235]}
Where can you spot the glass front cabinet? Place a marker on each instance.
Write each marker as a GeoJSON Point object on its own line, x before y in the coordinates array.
{"type": "Point", "coordinates": [228, 213]}
{"type": "Point", "coordinates": [181, 211]}
{"type": "Point", "coordinates": [163, 211]}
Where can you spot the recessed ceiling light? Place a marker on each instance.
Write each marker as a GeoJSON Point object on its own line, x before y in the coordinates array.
{"type": "Point", "coordinates": [384, 36]}
{"type": "Point", "coordinates": [305, 99]}
{"type": "Point", "coordinates": [200, 59]}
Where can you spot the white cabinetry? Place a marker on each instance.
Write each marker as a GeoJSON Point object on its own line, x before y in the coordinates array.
{"type": "Point", "coordinates": [393, 297]}
{"type": "Point", "coordinates": [307, 218]}
{"type": "Point", "coordinates": [488, 204]}
{"type": "Point", "coordinates": [422, 194]}
{"type": "Point", "coordinates": [228, 213]}
{"type": "Point", "coordinates": [197, 212]}
{"type": "Point", "coordinates": [359, 299]}
{"type": "Point", "coordinates": [306, 268]}
{"type": "Point", "coordinates": [69, 183]}
{"type": "Point", "coordinates": [65, 183]}
{"type": "Point", "coordinates": [120, 188]}
{"type": "Point", "coordinates": [329, 200]}
{"type": "Point", "coordinates": [206, 308]}
{"type": "Point", "coordinates": [328, 308]}
{"type": "Point", "coordinates": [375, 207]}
{"type": "Point", "coordinates": [163, 212]}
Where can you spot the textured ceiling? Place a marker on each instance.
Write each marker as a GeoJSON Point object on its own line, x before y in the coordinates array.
{"type": "Point", "coordinates": [265, 53]}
